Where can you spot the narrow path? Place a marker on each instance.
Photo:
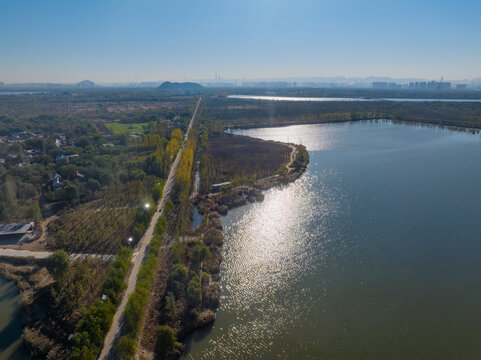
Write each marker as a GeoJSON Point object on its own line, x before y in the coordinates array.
{"type": "Point", "coordinates": [114, 331]}
{"type": "Point", "coordinates": [293, 157]}
{"type": "Point", "coordinates": [47, 221]}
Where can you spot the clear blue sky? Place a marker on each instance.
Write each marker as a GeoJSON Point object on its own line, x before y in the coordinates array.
{"type": "Point", "coordinates": [146, 40]}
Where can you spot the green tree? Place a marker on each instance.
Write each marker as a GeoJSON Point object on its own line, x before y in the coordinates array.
{"type": "Point", "coordinates": [70, 191]}
{"type": "Point", "coordinates": [178, 250]}
{"type": "Point", "coordinates": [58, 264]}
{"type": "Point", "coordinates": [200, 253]}
{"type": "Point", "coordinates": [177, 276]}
{"type": "Point", "coordinates": [168, 207]}
{"type": "Point", "coordinates": [126, 348]}
{"type": "Point", "coordinates": [170, 308]}
{"type": "Point", "coordinates": [67, 171]}
{"type": "Point", "coordinates": [194, 292]}
{"type": "Point", "coordinates": [93, 185]}
{"type": "Point", "coordinates": [166, 341]}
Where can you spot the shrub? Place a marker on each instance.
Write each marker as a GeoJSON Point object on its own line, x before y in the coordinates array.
{"type": "Point", "coordinates": [177, 276]}
{"type": "Point", "coordinates": [165, 340]}
{"type": "Point", "coordinates": [214, 236]}
{"type": "Point", "coordinates": [142, 218]}
{"type": "Point", "coordinates": [58, 264]}
{"type": "Point", "coordinates": [126, 348]}
{"type": "Point", "coordinates": [158, 189]}
{"type": "Point", "coordinates": [178, 250]}
{"type": "Point", "coordinates": [161, 225]}
{"type": "Point", "coordinates": [205, 278]}
{"type": "Point", "coordinates": [115, 284]}
{"type": "Point", "coordinates": [194, 292]}
{"type": "Point", "coordinates": [168, 207]}
{"type": "Point", "coordinates": [170, 308]}
{"type": "Point", "coordinates": [200, 253]}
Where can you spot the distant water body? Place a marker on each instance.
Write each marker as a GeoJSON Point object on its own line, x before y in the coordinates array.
{"type": "Point", "coordinates": [326, 99]}
{"type": "Point", "coordinates": [11, 344]}
{"type": "Point", "coordinates": [374, 253]}
{"type": "Point", "coordinates": [22, 92]}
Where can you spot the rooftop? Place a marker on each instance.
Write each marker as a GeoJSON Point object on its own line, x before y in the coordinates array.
{"type": "Point", "coordinates": [13, 229]}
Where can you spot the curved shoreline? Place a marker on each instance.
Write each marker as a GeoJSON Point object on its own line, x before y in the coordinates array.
{"type": "Point", "coordinates": [451, 126]}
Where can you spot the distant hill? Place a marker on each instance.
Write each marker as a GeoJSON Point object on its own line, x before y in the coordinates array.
{"type": "Point", "coordinates": [85, 84]}
{"type": "Point", "coordinates": [167, 85]}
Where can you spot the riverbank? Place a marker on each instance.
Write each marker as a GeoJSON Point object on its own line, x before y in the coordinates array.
{"type": "Point", "coordinates": [31, 278]}
{"type": "Point", "coordinates": [11, 342]}
{"type": "Point", "coordinates": [453, 125]}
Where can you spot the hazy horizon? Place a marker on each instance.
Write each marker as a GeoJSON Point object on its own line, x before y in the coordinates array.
{"type": "Point", "coordinates": [212, 81]}
{"type": "Point", "coordinates": [126, 41]}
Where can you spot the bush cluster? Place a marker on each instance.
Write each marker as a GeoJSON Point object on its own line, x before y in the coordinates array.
{"type": "Point", "coordinates": [144, 213]}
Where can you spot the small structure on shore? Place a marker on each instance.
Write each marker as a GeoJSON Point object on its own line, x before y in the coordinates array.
{"type": "Point", "coordinates": [216, 187]}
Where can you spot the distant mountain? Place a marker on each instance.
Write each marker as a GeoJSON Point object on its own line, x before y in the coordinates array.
{"type": "Point", "coordinates": [85, 84]}
{"type": "Point", "coordinates": [1, 83]}
{"type": "Point", "coordinates": [167, 85]}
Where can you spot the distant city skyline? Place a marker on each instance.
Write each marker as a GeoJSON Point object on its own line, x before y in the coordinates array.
{"type": "Point", "coordinates": [126, 41]}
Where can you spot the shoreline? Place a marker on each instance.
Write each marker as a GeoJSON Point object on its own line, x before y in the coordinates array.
{"type": "Point", "coordinates": [450, 126]}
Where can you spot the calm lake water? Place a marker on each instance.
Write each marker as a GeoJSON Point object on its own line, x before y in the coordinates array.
{"type": "Point", "coordinates": [374, 253]}
{"type": "Point", "coordinates": [11, 345]}
{"type": "Point", "coordinates": [22, 92]}
{"type": "Point", "coordinates": [324, 99]}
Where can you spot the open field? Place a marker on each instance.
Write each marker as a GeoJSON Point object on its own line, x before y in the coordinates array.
{"type": "Point", "coordinates": [118, 128]}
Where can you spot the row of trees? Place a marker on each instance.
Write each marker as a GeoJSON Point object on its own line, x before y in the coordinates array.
{"type": "Point", "coordinates": [134, 312]}
{"type": "Point", "coordinates": [158, 162]}
{"type": "Point", "coordinates": [183, 178]}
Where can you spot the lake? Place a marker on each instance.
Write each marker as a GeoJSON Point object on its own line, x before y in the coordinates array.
{"type": "Point", "coordinates": [374, 253]}
{"type": "Point", "coordinates": [22, 92]}
{"type": "Point", "coordinates": [11, 344]}
{"type": "Point", "coordinates": [336, 99]}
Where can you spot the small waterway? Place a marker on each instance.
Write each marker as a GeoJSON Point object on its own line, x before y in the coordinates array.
{"type": "Point", "coordinates": [197, 217]}
{"type": "Point", "coordinates": [11, 343]}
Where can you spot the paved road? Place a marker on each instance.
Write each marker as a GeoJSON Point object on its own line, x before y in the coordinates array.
{"type": "Point", "coordinates": [45, 254]}
{"type": "Point", "coordinates": [114, 331]}
{"type": "Point", "coordinates": [25, 253]}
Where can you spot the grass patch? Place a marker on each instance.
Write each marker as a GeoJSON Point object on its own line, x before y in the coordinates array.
{"type": "Point", "coordinates": [118, 128]}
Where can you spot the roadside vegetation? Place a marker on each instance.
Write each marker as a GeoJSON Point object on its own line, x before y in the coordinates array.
{"type": "Point", "coordinates": [137, 303]}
